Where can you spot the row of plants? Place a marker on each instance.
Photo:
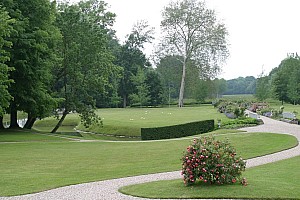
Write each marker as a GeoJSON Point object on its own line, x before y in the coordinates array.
{"type": "Point", "coordinates": [235, 111]}
{"type": "Point", "coordinates": [240, 123]}
{"type": "Point", "coordinates": [232, 109]}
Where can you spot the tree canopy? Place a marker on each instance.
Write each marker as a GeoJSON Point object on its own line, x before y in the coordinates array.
{"type": "Point", "coordinates": [286, 81]}
{"type": "Point", "coordinates": [87, 64]}
{"type": "Point", "coordinates": [33, 37]}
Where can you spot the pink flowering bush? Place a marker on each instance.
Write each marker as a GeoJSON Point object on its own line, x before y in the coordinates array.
{"type": "Point", "coordinates": [212, 161]}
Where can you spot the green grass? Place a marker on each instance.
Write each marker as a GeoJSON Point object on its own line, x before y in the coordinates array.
{"type": "Point", "coordinates": [36, 166]}
{"type": "Point", "coordinates": [129, 121]}
{"type": "Point", "coordinates": [278, 180]}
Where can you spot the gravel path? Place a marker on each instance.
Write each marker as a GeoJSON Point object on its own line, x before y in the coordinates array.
{"type": "Point", "coordinates": [108, 189]}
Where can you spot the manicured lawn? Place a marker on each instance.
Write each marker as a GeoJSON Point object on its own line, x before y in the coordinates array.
{"type": "Point", "coordinates": [36, 166]}
{"type": "Point", "coordinates": [278, 180]}
{"type": "Point", "coordinates": [129, 121]}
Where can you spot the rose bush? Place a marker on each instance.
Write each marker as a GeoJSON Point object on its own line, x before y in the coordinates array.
{"type": "Point", "coordinates": [212, 161]}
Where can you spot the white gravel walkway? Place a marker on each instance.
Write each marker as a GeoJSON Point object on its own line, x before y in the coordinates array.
{"type": "Point", "coordinates": [108, 189]}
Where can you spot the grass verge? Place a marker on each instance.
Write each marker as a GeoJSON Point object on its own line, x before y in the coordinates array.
{"type": "Point", "coordinates": [278, 180]}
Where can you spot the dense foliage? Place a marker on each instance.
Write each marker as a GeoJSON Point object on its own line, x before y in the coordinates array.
{"type": "Point", "coordinates": [283, 82]}
{"type": "Point", "coordinates": [34, 38]}
{"type": "Point", "coordinates": [5, 30]}
{"type": "Point", "coordinates": [212, 161]}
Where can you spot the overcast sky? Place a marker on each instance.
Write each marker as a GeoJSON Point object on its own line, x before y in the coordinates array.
{"type": "Point", "coordinates": [261, 32]}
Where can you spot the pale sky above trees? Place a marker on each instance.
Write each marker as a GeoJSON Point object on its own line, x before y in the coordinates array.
{"type": "Point", "coordinates": [261, 32]}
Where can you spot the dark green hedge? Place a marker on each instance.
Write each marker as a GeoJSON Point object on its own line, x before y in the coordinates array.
{"type": "Point", "coordinates": [176, 131]}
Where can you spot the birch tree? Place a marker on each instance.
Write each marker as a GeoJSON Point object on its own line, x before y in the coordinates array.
{"type": "Point", "coordinates": [192, 32]}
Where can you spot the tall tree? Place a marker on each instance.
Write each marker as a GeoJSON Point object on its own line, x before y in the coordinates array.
{"type": "Point", "coordinates": [33, 41]}
{"type": "Point", "coordinates": [5, 30]}
{"type": "Point", "coordinates": [192, 32]}
{"type": "Point", "coordinates": [131, 57]}
{"type": "Point", "coordinates": [87, 62]}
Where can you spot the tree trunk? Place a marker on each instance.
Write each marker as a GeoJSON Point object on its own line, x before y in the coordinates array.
{"type": "Point", "coordinates": [124, 101]}
{"type": "Point", "coordinates": [13, 116]}
{"type": "Point", "coordinates": [181, 93]}
{"type": "Point", "coordinates": [60, 121]}
{"type": "Point", "coordinates": [30, 121]}
{"type": "Point", "coordinates": [1, 122]}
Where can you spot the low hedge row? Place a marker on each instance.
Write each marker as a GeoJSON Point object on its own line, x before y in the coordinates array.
{"type": "Point", "coordinates": [176, 131]}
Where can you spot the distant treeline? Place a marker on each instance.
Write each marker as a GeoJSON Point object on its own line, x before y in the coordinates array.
{"type": "Point", "coordinates": [241, 85]}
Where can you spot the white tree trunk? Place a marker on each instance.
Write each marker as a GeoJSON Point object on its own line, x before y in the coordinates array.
{"type": "Point", "coordinates": [181, 92]}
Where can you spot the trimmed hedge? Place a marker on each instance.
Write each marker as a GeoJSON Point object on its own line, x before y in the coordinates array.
{"type": "Point", "coordinates": [176, 131]}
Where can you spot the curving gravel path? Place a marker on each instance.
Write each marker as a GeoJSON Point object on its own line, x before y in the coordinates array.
{"type": "Point", "coordinates": [108, 189]}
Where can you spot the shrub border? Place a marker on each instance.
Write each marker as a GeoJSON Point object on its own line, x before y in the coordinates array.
{"type": "Point", "coordinates": [176, 131]}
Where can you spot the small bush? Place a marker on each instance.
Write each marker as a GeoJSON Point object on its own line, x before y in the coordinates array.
{"type": "Point", "coordinates": [213, 162]}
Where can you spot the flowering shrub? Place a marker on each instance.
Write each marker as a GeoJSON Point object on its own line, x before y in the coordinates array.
{"type": "Point", "coordinates": [212, 161]}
